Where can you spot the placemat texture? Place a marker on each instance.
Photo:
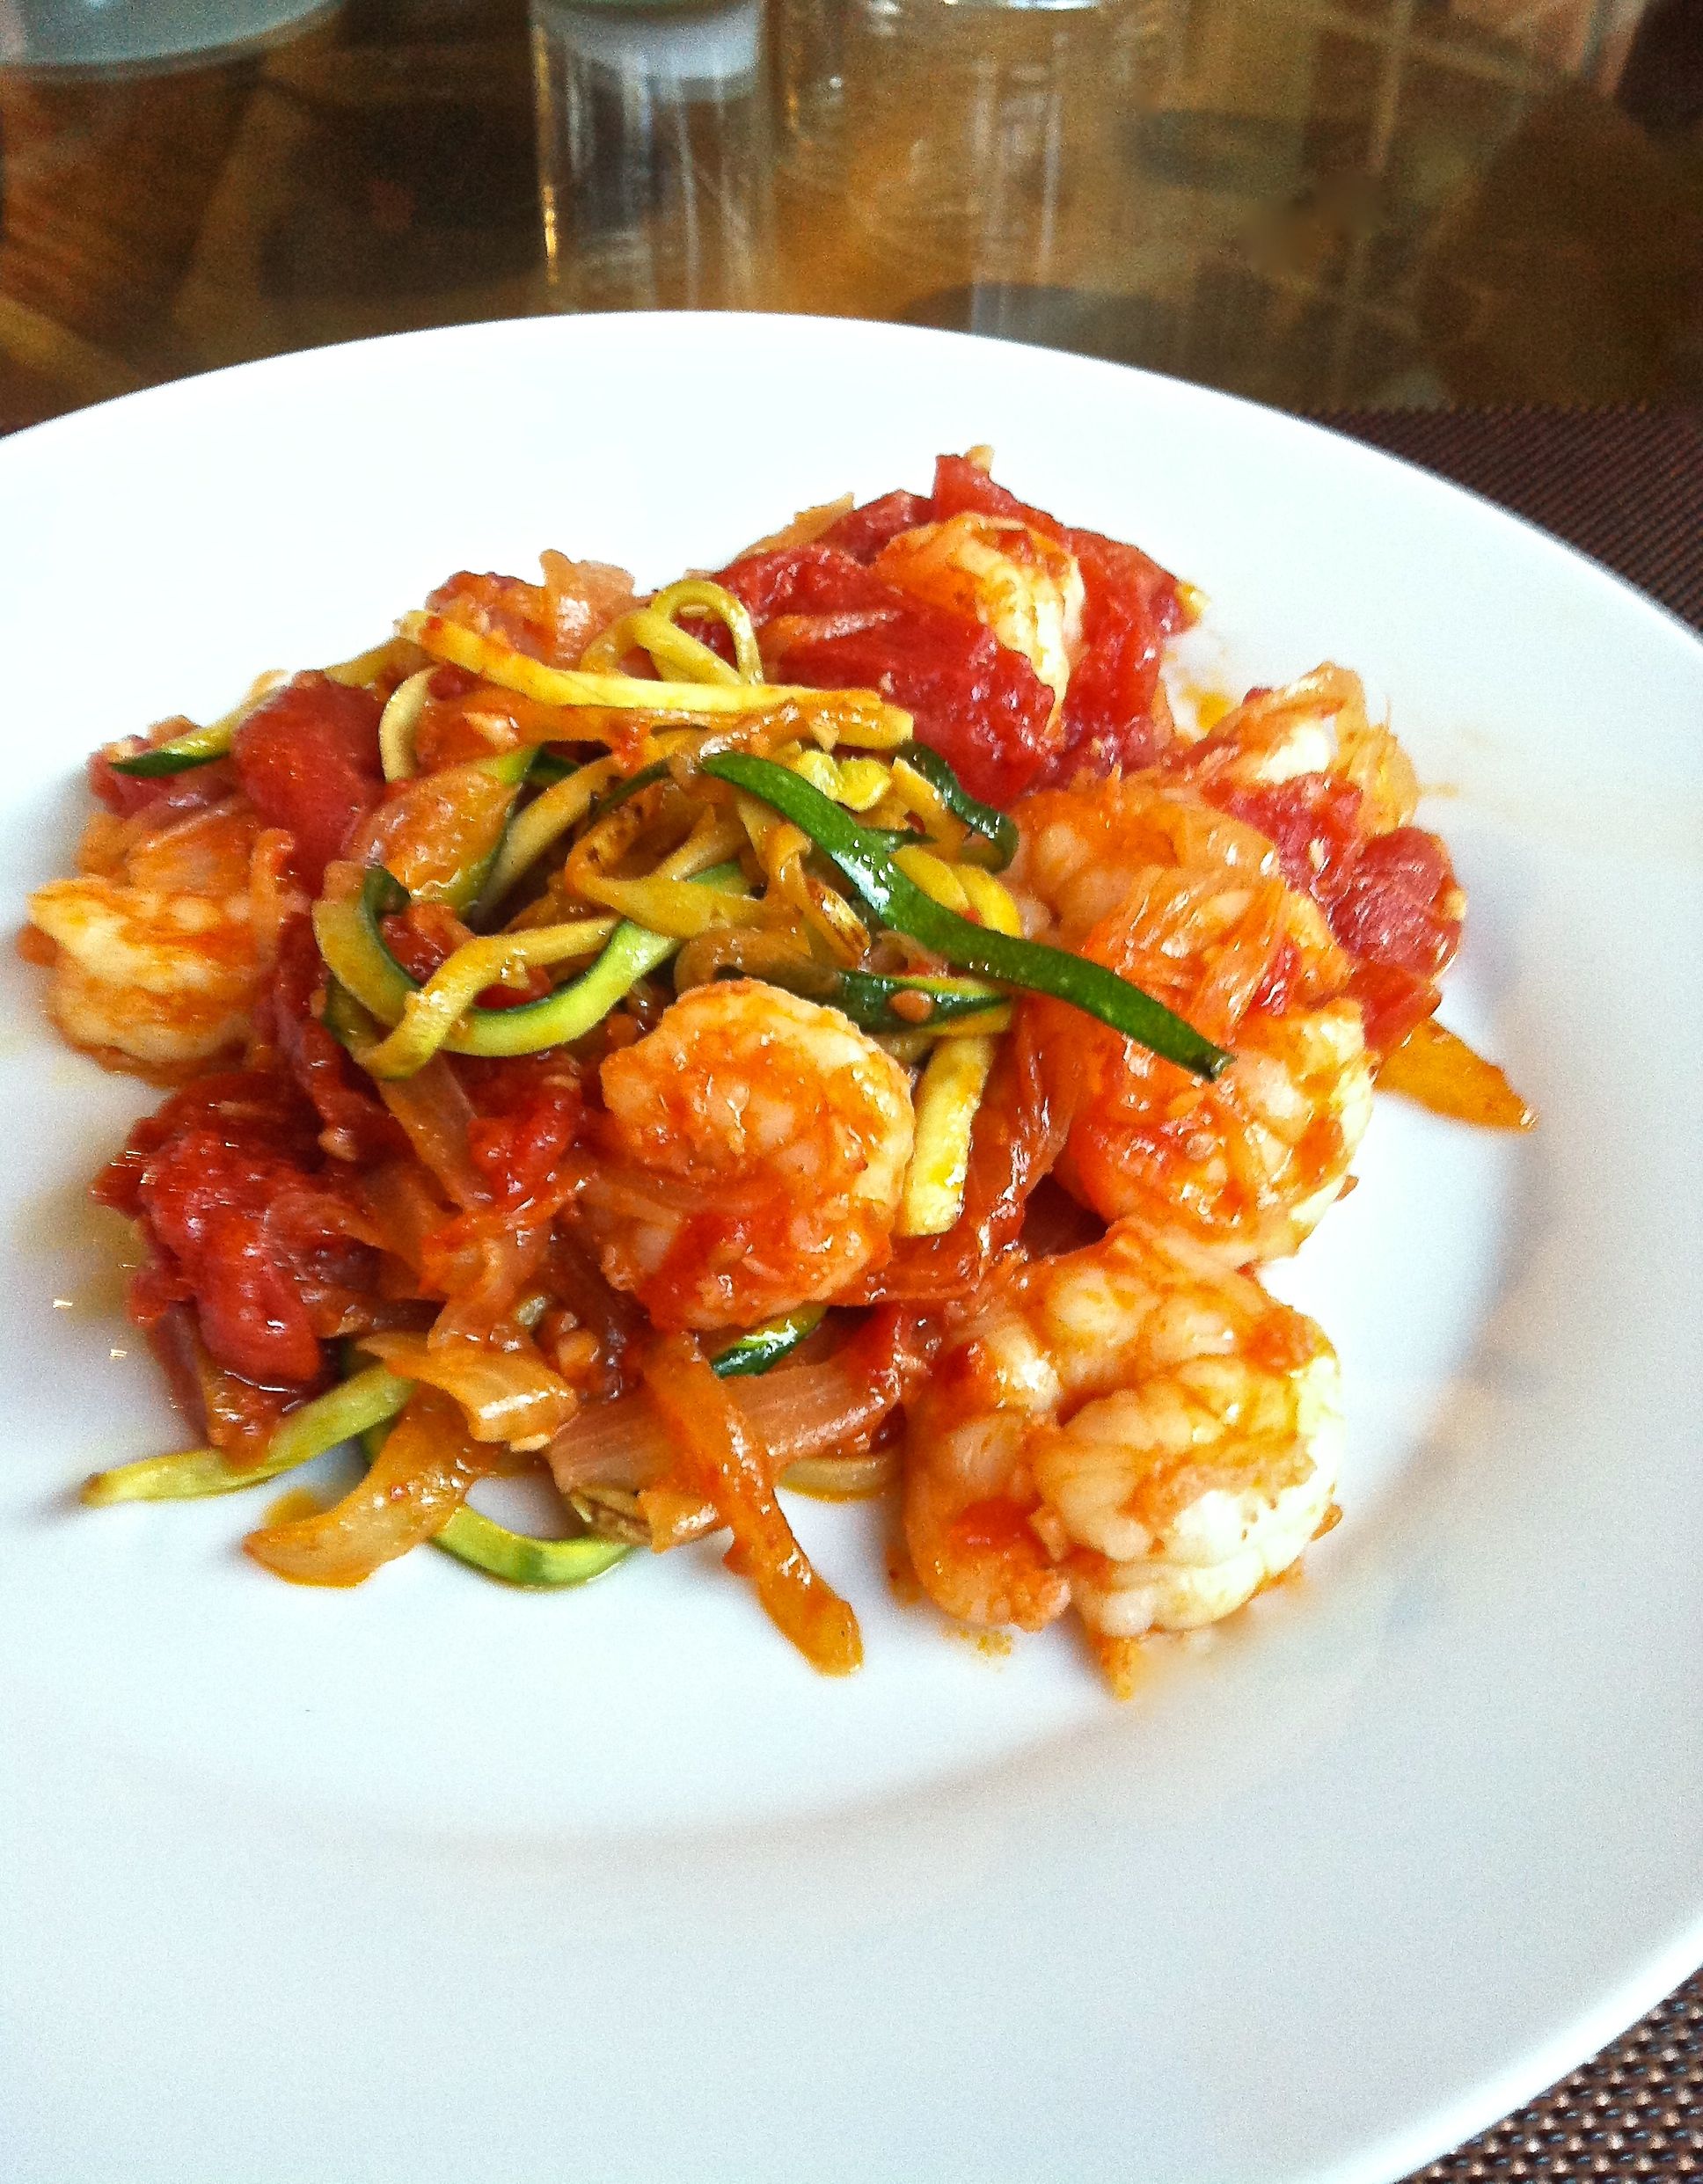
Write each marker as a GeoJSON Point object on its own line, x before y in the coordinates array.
{"type": "Point", "coordinates": [1625, 486]}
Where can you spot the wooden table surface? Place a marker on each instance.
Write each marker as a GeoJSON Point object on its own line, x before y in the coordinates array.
{"type": "Point", "coordinates": [1314, 203]}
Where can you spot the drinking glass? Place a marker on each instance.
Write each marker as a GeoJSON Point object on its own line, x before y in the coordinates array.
{"type": "Point", "coordinates": [653, 153]}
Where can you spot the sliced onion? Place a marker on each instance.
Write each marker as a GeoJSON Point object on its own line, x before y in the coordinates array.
{"type": "Point", "coordinates": [719, 1458]}
{"type": "Point", "coordinates": [419, 1482]}
{"type": "Point", "coordinates": [797, 1412]}
{"type": "Point", "coordinates": [507, 1394]}
{"type": "Point", "coordinates": [434, 1111]}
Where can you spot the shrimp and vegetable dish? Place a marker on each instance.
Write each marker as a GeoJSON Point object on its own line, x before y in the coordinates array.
{"type": "Point", "coordinates": [828, 1027]}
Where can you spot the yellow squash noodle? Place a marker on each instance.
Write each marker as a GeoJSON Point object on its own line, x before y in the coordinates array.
{"type": "Point", "coordinates": [989, 900]}
{"type": "Point", "coordinates": [858, 783]}
{"type": "Point", "coordinates": [858, 717]}
{"type": "Point", "coordinates": [673, 651]}
{"type": "Point", "coordinates": [708, 597]}
{"type": "Point", "coordinates": [546, 819]}
{"type": "Point", "coordinates": [397, 724]}
{"type": "Point", "coordinates": [946, 1099]}
{"type": "Point", "coordinates": [938, 880]}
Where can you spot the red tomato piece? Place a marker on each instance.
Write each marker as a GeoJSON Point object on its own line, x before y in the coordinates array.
{"type": "Point", "coordinates": [866, 530]}
{"type": "Point", "coordinates": [830, 622]}
{"type": "Point", "coordinates": [308, 759]}
{"type": "Point", "coordinates": [1387, 910]}
{"type": "Point", "coordinates": [1312, 822]}
{"type": "Point", "coordinates": [357, 1123]}
{"type": "Point", "coordinates": [1391, 1003]}
{"type": "Point", "coordinates": [221, 1181]}
{"type": "Point", "coordinates": [1130, 605]}
{"type": "Point", "coordinates": [529, 1112]}
{"type": "Point", "coordinates": [1387, 897]}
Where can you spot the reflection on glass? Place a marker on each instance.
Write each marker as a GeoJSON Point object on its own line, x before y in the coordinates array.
{"type": "Point", "coordinates": [654, 154]}
{"type": "Point", "coordinates": [974, 141]}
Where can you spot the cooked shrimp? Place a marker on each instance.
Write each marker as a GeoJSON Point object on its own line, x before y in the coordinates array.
{"type": "Point", "coordinates": [1131, 1429]}
{"type": "Point", "coordinates": [553, 620]}
{"type": "Point", "coordinates": [757, 1148]}
{"type": "Point", "coordinates": [1141, 875]}
{"type": "Point", "coordinates": [1023, 586]}
{"type": "Point", "coordinates": [1316, 725]}
{"type": "Point", "coordinates": [162, 946]}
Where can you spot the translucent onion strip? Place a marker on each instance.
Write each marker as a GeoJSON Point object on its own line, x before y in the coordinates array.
{"type": "Point", "coordinates": [419, 1481]}
{"type": "Point", "coordinates": [507, 1395]}
{"type": "Point", "coordinates": [718, 1456]}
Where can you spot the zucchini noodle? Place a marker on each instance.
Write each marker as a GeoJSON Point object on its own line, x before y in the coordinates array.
{"type": "Point", "coordinates": [367, 667]}
{"type": "Point", "coordinates": [988, 900]}
{"type": "Point", "coordinates": [197, 746]}
{"type": "Point", "coordinates": [397, 724]}
{"type": "Point", "coordinates": [546, 819]}
{"type": "Point", "coordinates": [781, 849]}
{"type": "Point", "coordinates": [698, 593]}
{"type": "Point", "coordinates": [946, 1099]}
{"type": "Point", "coordinates": [940, 882]}
{"type": "Point", "coordinates": [858, 717]}
{"type": "Point", "coordinates": [429, 1015]}
{"type": "Point", "coordinates": [843, 1478]}
{"type": "Point", "coordinates": [673, 651]}
{"type": "Point", "coordinates": [860, 783]}
{"type": "Point", "coordinates": [909, 794]}
{"type": "Point", "coordinates": [367, 1399]}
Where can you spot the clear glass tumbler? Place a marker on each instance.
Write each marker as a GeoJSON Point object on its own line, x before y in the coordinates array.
{"type": "Point", "coordinates": [969, 142]}
{"type": "Point", "coordinates": [653, 153]}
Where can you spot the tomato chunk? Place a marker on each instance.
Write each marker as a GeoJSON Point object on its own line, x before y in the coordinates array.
{"type": "Point", "coordinates": [224, 1182]}
{"type": "Point", "coordinates": [356, 1124]}
{"type": "Point", "coordinates": [529, 1112]}
{"type": "Point", "coordinates": [308, 759]}
{"type": "Point", "coordinates": [866, 530]}
{"type": "Point", "coordinates": [828, 622]}
{"type": "Point", "coordinates": [1114, 715]}
{"type": "Point", "coordinates": [1389, 899]}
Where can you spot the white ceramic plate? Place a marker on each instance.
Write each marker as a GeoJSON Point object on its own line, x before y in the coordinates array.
{"type": "Point", "coordinates": [436, 1880]}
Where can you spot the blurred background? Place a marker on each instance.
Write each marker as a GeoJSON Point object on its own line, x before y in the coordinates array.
{"type": "Point", "coordinates": [1316, 203]}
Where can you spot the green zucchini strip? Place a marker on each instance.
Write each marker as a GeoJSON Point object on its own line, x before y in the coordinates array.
{"type": "Point", "coordinates": [863, 860]}
{"type": "Point", "coordinates": [196, 747]}
{"type": "Point", "coordinates": [340, 1414]}
{"type": "Point", "coordinates": [997, 829]}
{"type": "Point", "coordinates": [766, 1345]}
{"type": "Point", "coordinates": [867, 996]}
{"type": "Point", "coordinates": [353, 948]}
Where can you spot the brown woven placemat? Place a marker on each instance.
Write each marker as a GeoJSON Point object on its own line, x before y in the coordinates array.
{"type": "Point", "coordinates": [1636, 2111]}
{"type": "Point", "coordinates": [1625, 486]}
